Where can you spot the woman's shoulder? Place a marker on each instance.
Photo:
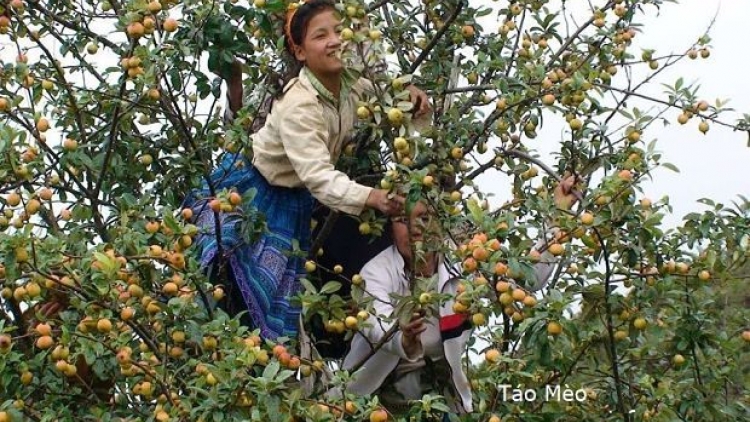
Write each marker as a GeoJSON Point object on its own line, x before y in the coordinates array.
{"type": "Point", "coordinates": [296, 95]}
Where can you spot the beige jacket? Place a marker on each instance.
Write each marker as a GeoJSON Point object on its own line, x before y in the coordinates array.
{"type": "Point", "coordinates": [302, 139]}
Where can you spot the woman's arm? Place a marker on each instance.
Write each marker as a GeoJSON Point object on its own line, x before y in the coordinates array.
{"type": "Point", "coordinates": [304, 135]}
{"type": "Point", "coordinates": [234, 87]}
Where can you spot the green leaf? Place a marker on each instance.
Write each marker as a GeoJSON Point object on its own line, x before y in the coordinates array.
{"type": "Point", "coordinates": [309, 287]}
{"type": "Point", "coordinates": [670, 166]}
{"type": "Point", "coordinates": [330, 287]}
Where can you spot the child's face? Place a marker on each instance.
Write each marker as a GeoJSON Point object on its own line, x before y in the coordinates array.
{"type": "Point", "coordinates": [322, 44]}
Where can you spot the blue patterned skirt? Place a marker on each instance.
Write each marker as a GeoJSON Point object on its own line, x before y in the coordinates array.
{"type": "Point", "coordinates": [266, 271]}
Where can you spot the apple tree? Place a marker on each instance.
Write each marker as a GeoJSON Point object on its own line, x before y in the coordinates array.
{"type": "Point", "coordinates": [112, 114]}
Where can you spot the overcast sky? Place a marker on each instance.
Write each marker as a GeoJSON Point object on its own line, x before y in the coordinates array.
{"type": "Point", "coordinates": [716, 165]}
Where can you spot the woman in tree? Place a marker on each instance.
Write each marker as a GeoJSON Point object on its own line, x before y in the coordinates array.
{"type": "Point", "coordinates": [292, 162]}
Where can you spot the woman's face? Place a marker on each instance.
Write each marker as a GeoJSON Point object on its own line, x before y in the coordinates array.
{"type": "Point", "coordinates": [320, 48]}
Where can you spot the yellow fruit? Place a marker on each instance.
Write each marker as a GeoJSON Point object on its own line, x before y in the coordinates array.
{"type": "Point", "coordinates": [678, 359]}
{"type": "Point", "coordinates": [347, 34]}
{"type": "Point", "coordinates": [505, 298]}
{"type": "Point", "coordinates": [104, 325]}
{"type": "Point", "coordinates": [178, 336]}
{"type": "Point", "coordinates": [640, 323]}
{"type": "Point", "coordinates": [310, 266]}
{"type": "Point", "coordinates": [703, 275]}
{"type": "Point", "coordinates": [357, 279]}
{"type": "Point", "coordinates": [478, 319]}
{"type": "Point", "coordinates": [13, 199]}
{"type": "Point", "coordinates": [218, 294]}
{"type": "Point", "coordinates": [26, 378]}
{"type": "Point", "coordinates": [746, 335]}
{"type": "Point", "coordinates": [135, 30]}
{"type": "Point", "coordinates": [43, 329]}
{"type": "Point", "coordinates": [5, 342]}
{"type": "Point", "coordinates": [33, 289]}
{"type": "Point", "coordinates": [634, 136]}
{"type": "Point", "coordinates": [621, 335]}
{"type": "Point", "coordinates": [379, 415]}
{"type": "Point", "coordinates": [395, 116]}
{"type": "Point", "coordinates": [338, 269]}
{"type": "Point", "coordinates": [42, 125]}
{"type": "Point", "coordinates": [703, 126]}
{"type": "Point", "coordinates": [626, 175]}
{"type": "Point", "coordinates": [170, 25]}
{"type": "Point", "coordinates": [518, 295]}
{"type": "Point", "coordinates": [575, 124]}
{"type": "Point", "coordinates": [363, 112]}
{"type": "Point", "coordinates": [44, 342]}
{"type": "Point", "coordinates": [492, 355]}
{"type": "Point", "coordinates": [554, 328]}
{"type": "Point", "coordinates": [154, 6]}
{"type": "Point", "coordinates": [556, 249]}
{"type": "Point", "coordinates": [682, 267]}
{"type": "Point", "coordinates": [351, 322]}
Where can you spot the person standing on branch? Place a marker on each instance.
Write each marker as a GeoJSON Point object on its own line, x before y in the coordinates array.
{"type": "Point", "coordinates": [292, 162]}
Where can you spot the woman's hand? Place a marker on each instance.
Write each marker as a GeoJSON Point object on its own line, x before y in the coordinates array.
{"type": "Point", "coordinates": [411, 333]}
{"type": "Point", "coordinates": [386, 202]}
{"type": "Point", "coordinates": [419, 99]}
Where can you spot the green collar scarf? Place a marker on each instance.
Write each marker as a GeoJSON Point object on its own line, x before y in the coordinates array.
{"type": "Point", "coordinates": [348, 78]}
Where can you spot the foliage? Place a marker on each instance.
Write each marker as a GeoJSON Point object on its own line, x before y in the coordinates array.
{"type": "Point", "coordinates": [111, 114]}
